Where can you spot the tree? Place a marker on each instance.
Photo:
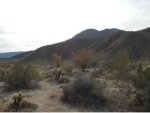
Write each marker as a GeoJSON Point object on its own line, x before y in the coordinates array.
{"type": "Point", "coordinates": [83, 57]}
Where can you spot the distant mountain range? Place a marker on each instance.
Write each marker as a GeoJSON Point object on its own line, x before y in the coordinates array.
{"type": "Point", "coordinates": [9, 54]}
{"type": "Point", "coordinates": [21, 55]}
{"type": "Point", "coordinates": [107, 43]}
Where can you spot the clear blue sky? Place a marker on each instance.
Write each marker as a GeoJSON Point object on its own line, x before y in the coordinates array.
{"type": "Point", "coordinates": [29, 24]}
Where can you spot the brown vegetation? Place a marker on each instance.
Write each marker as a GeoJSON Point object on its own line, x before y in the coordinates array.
{"type": "Point", "coordinates": [83, 57]}
{"type": "Point", "coordinates": [57, 59]}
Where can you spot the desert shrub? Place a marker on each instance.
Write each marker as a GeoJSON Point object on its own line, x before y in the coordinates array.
{"type": "Point", "coordinates": [83, 57]}
{"type": "Point", "coordinates": [17, 97]}
{"type": "Point", "coordinates": [26, 106]}
{"type": "Point", "coordinates": [68, 67]}
{"type": "Point", "coordinates": [120, 63]}
{"type": "Point", "coordinates": [57, 58]}
{"type": "Point", "coordinates": [57, 72]}
{"type": "Point", "coordinates": [110, 64]}
{"type": "Point", "coordinates": [3, 75]}
{"type": "Point", "coordinates": [131, 66]}
{"type": "Point", "coordinates": [64, 79]}
{"type": "Point", "coordinates": [97, 72]}
{"type": "Point", "coordinates": [22, 76]}
{"type": "Point", "coordinates": [123, 60]}
{"type": "Point", "coordinates": [141, 82]}
{"type": "Point", "coordinates": [93, 64]}
{"type": "Point", "coordinates": [84, 89]}
{"type": "Point", "coordinates": [19, 104]}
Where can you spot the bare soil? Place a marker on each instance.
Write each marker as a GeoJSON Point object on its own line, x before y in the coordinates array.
{"type": "Point", "coordinates": [48, 97]}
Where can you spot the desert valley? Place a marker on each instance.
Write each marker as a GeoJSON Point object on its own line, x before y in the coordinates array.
{"type": "Point", "coordinates": [94, 71]}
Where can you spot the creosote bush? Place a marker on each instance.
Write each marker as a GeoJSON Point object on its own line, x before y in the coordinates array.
{"type": "Point", "coordinates": [141, 82]}
{"type": "Point", "coordinates": [83, 57]}
{"type": "Point", "coordinates": [123, 60]}
{"type": "Point", "coordinates": [2, 75]}
{"type": "Point", "coordinates": [120, 63]}
{"type": "Point", "coordinates": [22, 76]}
{"type": "Point", "coordinates": [84, 89]}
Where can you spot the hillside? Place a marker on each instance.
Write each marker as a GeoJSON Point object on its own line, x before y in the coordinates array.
{"type": "Point", "coordinates": [136, 43]}
{"type": "Point", "coordinates": [106, 46]}
{"type": "Point", "coordinates": [83, 39]}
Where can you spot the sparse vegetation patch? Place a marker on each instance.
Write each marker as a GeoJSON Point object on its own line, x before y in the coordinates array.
{"type": "Point", "coordinates": [22, 76]}
{"type": "Point", "coordinates": [84, 89]}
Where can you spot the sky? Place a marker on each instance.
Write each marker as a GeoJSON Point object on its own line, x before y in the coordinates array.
{"type": "Point", "coordinates": [29, 24]}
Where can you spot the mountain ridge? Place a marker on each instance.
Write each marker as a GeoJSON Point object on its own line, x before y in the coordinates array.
{"type": "Point", "coordinates": [9, 54]}
{"type": "Point", "coordinates": [137, 44]}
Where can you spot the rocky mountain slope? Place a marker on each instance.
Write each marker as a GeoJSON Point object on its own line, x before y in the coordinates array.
{"type": "Point", "coordinates": [106, 44]}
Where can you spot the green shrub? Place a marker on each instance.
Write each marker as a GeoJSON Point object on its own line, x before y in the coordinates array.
{"type": "Point", "coordinates": [84, 89]}
{"type": "Point", "coordinates": [2, 75]}
{"type": "Point", "coordinates": [123, 60]}
{"type": "Point", "coordinates": [120, 63]}
{"type": "Point", "coordinates": [93, 64]}
{"type": "Point", "coordinates": [141, 82]}
{"type": "Point", "coordinates": [22, 76]}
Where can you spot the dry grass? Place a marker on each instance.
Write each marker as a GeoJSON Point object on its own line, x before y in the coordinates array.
{"type": "Point", "coordinates": [56, 94]}
{"type": "Point", "coordinates": [3, 106]}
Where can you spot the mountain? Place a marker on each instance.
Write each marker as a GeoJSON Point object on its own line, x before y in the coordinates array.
{"type": "Point", "coordinates": [106, 43]}
{"type": "Point", "coordinates": [83, 39]}
{"type": "Point", "coordinates": [136, 43]}
{"type": "Point", "coordinates": [93, 33]}
{"type": "Point", "coordinates": [9, 54]}
{"type": "Point", "coordinates": [21, 55]}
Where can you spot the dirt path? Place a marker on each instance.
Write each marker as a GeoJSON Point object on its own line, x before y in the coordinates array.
{"type": "Point", "coordinates": [48, 95]}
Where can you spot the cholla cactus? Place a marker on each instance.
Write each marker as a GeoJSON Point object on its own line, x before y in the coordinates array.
{"type": "Point", "coordinates": [17, 97]}
{"type": "Point", "coordinates": [57, 72]}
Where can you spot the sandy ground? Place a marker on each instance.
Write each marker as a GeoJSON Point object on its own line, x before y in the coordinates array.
{"type": "Point", "coordinates": [48, 95]}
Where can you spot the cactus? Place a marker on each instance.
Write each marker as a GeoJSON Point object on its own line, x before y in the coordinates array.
{"type": "Point", "coordinates": [17, 97]}
{"type": "Point", "coordinates": [57, 72]}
